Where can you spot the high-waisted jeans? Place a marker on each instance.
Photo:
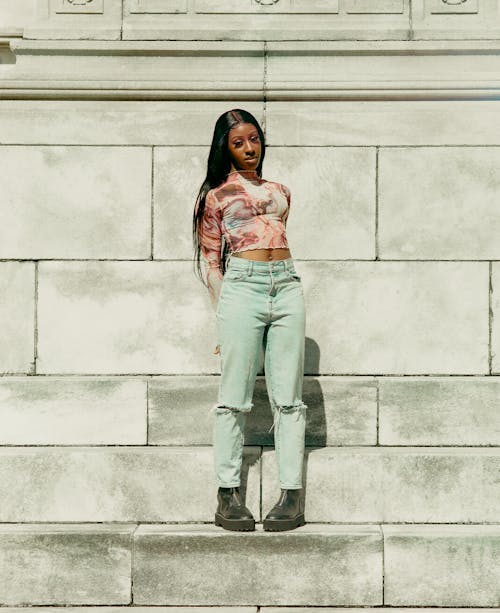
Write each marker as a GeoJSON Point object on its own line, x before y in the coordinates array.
{"type": "Point", "coordinates": [258, 297]}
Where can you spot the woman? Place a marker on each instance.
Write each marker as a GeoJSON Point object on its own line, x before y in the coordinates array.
{"type": "Point", "coordinates": [258, 302]}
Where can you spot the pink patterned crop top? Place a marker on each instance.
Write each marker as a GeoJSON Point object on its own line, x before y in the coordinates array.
{"type": "Point", "coordinates": [249, 212]}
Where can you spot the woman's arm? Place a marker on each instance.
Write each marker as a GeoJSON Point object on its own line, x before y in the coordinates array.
{"type": "Point", "coordinates": [288, 199]}
{"type": "Point", "coordinates": [210, 246]}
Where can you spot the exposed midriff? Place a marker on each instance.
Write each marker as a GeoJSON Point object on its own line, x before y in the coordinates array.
{"type": "Point", "coordinates": [263, 255]}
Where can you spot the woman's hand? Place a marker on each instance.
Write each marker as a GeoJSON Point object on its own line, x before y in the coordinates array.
{"type": "Point", "coordinates": [217, 350]}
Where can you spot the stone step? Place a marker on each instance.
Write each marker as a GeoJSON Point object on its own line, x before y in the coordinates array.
{"type": "Point", "coordinates": [396, 484]}
{"type": "Point", "coordinates": [177, 484]}
{"type": "Point", "coordinates": [86, 410]}
{"type": "Point", "coordinates": [204, 565]}
{"type": "Point", "coordinates": [243, 609]}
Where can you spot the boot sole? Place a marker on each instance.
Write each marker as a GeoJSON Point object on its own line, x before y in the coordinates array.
{"type": "Point", "coordinates": [277, 525]}
{"type": "Point", "coordinates": [234, 524]}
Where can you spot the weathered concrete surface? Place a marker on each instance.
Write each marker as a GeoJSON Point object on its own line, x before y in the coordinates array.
{"type": "Point", "coordinates": [311, 565]}
{"type": "Point", "coordinates": [385, 123]}
{"type": "Point", "coordinates": [342, 411]}
{"type": "Point", "coordinates": [394, 484]}
{"type": "Point", "coordinates": [65, 564]}
{"type": "Point", "coordinates": [75, 202]}
{"type": "Point", "coordinates": [439, 410]}
{"type": "Point", "coordinates": [73, 411]}
{"type": "Point", "coordinates": [443, 566]}
{"type": "Point", "coordinates": [332, 210]}
{"type": "Point", "coordinates": [451, 211]}
{"type": "Point", "coordinates": [113, 484]}
{"type": "Point", "coordinates": [383, 318]}
{"type": "Point", "coordinates": [397, 317]}
{"type": "Point", "coordinates": [117, 122]}
{"type": "Point", "coordinates": [17, 317]}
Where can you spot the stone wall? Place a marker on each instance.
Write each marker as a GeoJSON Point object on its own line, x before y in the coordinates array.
{"type": "Point", "coordinates": [386, 127]}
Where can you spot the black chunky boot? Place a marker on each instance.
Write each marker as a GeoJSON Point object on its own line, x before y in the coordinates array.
{"type": "Point", "coordinates": [287, 513]}
{"type": "Point", "coordinates": [231, 513]}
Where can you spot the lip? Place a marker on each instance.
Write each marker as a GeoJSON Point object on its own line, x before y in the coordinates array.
{"type": "Point", "coordinates": [251, 159]}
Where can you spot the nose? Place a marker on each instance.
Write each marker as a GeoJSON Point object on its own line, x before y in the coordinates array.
{"type": "Point", "coordinates": [249, 147]}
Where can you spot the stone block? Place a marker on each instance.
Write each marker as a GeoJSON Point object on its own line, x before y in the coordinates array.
{"type": "Point", "coordinates": [408, 69]}
{"type": "Point", "coordinates": [54, 564]}
{"type": "Point", "coordinates": [172, 70]}
{"type": "Point", "coordinates": [342, 411]}
{"type": "Point", "coordinates": [377, 484]}
{"type": "Point", "coordinates": [67, 19]}
{"type": "Point", "coordinates": [382, 123]}
{"type": "Point", "coordinates": [439, 411]}
{"type": "Point", "coordinates": [266, 20]}
{"type": "Point", "coordinates": [15, 16]}
{"type": "Point", "coordinates": [181, 124]}
{"type": "Point", "coordinates": [113, 483]}
{"type": "Point", "coordinates": [314, 565]}
{"type": "Point", "coordinates": [124, 317]}
{"type": "Point", "coordinates": [442, 566]}
{"type": "Point", "coordinates": [75, 202]}
{"type": "Point", "coordinates": [451, 211]}
{"type": "Point", "coordinates": [332, 212]}
{"type": "Point", "coordinates": [396, 317]}
{"type": "Point", "coordinates": [17, 317]}
{"type": "Point", "coordinates": [73, 411]}
{"type": "Point", "coordinates": [179, 173]}
{"type": "Point", "coordinates": [452, 20]}
{"type": "Point", "coordinates": [495, 317]}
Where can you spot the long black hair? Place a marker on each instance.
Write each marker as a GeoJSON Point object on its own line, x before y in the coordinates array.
{"type": "Point", "coordinates": [218, 167]}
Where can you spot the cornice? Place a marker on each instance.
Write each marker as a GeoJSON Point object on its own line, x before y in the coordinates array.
{"type": "Point", "coordinates": [251, 70]}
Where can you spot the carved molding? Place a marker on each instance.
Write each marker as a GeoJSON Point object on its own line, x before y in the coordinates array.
{"type": "Point", "coordinates": [454, 7]}
{"type": "Point", "coordinates": [263, 20]}
{"type": "Point", "coordinates": [310, 7]}
{"type": "Point", "coordinates": [80, 6]}
{"type": "Point", "coordinates": [201, 70]}
{"type": "Point", "coordinates": [384, 7]}
{"type": "Point", "coordinates": [158, 7]}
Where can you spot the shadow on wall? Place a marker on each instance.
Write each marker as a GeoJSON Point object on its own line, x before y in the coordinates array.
{"type": "Point", "coordinates": [260, 419]}
{"type": "Point", "coordinates": [6, 56]}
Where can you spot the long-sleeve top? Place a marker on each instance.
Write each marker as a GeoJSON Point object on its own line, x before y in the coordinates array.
{"type": "Point", "coordinates": [249, 212]}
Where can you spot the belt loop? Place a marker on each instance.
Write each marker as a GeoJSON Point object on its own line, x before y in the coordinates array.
{"type": "Point", "coordinates": [250, 267]}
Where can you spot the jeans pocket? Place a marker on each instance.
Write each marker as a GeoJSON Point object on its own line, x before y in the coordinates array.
{"type": "Point", "coordinates": [293, 275]}
{"type": "Point", "coordinates": [235, 275]}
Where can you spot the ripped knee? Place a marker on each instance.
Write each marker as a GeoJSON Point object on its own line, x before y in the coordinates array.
{"type": "Point", "coordinates": [297, 408]}
{"type": "Point", "coordinates": [223, 408]}
{"type": "Point", "coordinates": [290, 408]}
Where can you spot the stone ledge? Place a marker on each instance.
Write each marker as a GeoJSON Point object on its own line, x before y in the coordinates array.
{"type": "Point", "coordinates": [200, 564]}
{"type": "Point", "coordinates": [329, 565]}
{"type": "Point", "coordinates": [441, 565]}
{"type": "Point", "coordinates": [65, 563]}
{"type": "Point", "coordinates": [243, 609]}
{"type": "Point", "coordinates": [302, 70]}
{"type": "Point", "coordinates": [119, 410]}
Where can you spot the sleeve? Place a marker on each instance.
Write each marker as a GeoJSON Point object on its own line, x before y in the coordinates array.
{"type": "Point", "coordinates": [288, 199]}
{"type": "Point", "coordinates": [210, 246]}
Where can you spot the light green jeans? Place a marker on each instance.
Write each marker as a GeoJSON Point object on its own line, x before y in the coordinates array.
{"type": "Point", "coordinates": [258, 298]}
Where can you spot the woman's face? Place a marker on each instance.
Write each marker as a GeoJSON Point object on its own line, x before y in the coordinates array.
{"type": "Point", "coordinates": [244, 147]}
